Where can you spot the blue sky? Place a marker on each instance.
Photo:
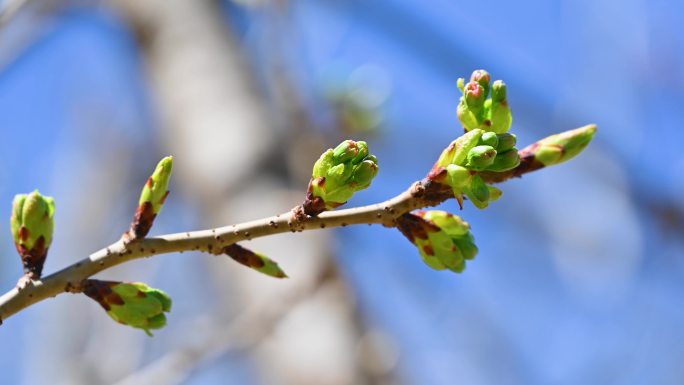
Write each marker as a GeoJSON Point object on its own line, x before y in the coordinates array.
{"type": "Point", "coordinates": [579, 277]}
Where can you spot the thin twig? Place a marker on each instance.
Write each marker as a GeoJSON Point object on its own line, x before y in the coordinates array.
{"type": "Point", "coordinates": [421, 194]}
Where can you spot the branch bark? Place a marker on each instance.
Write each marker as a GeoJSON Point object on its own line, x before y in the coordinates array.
{"type": "Point", "coordinates": [424, 193]}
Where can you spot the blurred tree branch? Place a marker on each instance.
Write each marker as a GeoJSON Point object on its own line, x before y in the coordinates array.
{"type": "Point", "coordinates": [9, 9]}
{"type": "Point", "coordinates": [243, 332]}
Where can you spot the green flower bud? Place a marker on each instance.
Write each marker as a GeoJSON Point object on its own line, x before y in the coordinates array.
{"type": "Point", "coordinates": [486, 123]}
{"type": "Point", "coordinates": [156, 189]}
{"type": "Point", "coordinates": [151, 200]}
{"type": "Point", "coordinates": [439, 252]}
{"type": "Point", "coordinates": [338, 174]}
{"type": "Point", "coordinates": [482, 78]}
{"type": "Point", "coordinates": [562, 147]}
{"type": "Point", "coordinates": [456, 228]}
{"type": "Point", "coordinates": [477, 192]}
{"type": "Point", "coordinates": [475, 110]}
{"type": "Point", "coordinates": [500, 117]}
{"type": "Point", "coordinates": [256, 261]}
{"type": "Point", "coordinates": [451, 224]}
{"type": "Point", "coordinates": [490, 139]}
{"type": "Point", "coordinates": [499, 113]}
{"type": "Point", "coordinates": [460, 83]}
{"type": "Point", "coordinates": [364, 172]}
{"type": "Point", "coordinates": [467, 246]}
{"type": "Point", "coordinates": [474, 96]}
{"type": "Point", "coordinates": [441, 238]}
{"type": "Point", "coordinates": [498, 91]}
{"type": "Point", "coordinates": [362, 152]}
{"type": "Point", "coordinates": [470, 109]}
{"type": "Point", "coordinates": [466, 116]}
{"type": "Point", "coordinates": [506, 142]}
{"type": "Point", "coordinates": [349, 150]}
{"type": "Point", "coordinates": [435, 246]}
{"type": "Point", "coordinates": [465, 181]}
{"type": "Point", "coordinates": [457, 151]}
{"type": "Point", "coordinates": [323, 164]}
{"type": "Point", "coordinates": [505, 161]}
{"type": "Point", "coordinates": [341, 172]}
{"type": "Point", "coordinates": [458, 176]}
{"type": "Point", "coordinates": [32, 224]}
{"type": "Point", "coordinates": [134, 304]}
{"type": "Point", "coordinates": [480, 157]}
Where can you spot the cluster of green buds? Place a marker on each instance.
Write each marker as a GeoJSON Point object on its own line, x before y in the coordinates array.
{"type": "Point", "coordinates": [253, 260]}
{"type": "Point", "coordinates": [338, 174]}
{"type": "Point", "coordinates": [475, 151]}
{"type": "Point", "coordinates": [476, 110]}
{"type": "Point", "coordinates": [32, 224]}
{"type": "Point", "coordinates": [152, 199]}
{"type": "Point", "coordinates": [130, 303]}
{"type": "Point", "coordinates": [443, 239]}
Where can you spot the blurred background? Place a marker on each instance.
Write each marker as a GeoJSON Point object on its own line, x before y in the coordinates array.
{"type": "Point", "coordinates": [580, 274]}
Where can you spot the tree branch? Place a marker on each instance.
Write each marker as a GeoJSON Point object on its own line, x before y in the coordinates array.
{"type": "Point", "coordinates": [424, 193]}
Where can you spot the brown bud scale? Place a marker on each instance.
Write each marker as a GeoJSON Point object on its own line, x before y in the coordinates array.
{"type": "Point", "coordinates": [243, 256]}
{"type": "Point", "coordinates": [34, 259]}
{"type": "Point", "coordinates": [142, 221]}
{"type": "Point", "coordinates": [101, 292]}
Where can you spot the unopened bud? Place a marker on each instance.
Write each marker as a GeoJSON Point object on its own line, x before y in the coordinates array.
{"type": "Point", "coordinates": [474, 96]}
{"type": "Point", "coordinates": [467, 246]}
{"type": "Point", "coordinates": [256, 261]}
{"type": "Point", "coordinates": [505, 161]}
{"type": "Point", "coordinates": [506, 142]}
{"type": "Point", "coordinates": [460, 83]}
{"type": "Point", "coordinates": [458, 176]}
{"type": "Point", "coordinates": [500, 117]}
{"type": "Point", "coordinates": [466, 116]}
{"type": "Point", "coordinates": [498, 91]}
{"type": "Point", "coordinates": [134, 304]}
{"type": "Point", "coordinates": [349, 150]}
{"type": "Point", "coordinates": [477, 192]}
{"type": "Point", "coordinates": [152, 199]}
{"type": "Point", "coordinates": [490, 139]}
{"type": "Point", "coordinates": [482, 78]}
{"type": "Point", "coordinates": [451, 224]}
{"type": "Point", "coordinates": [32, 225]}
{"type": "Point", "coordinates": [157, 187]}
{"type": "Point", "coordinates": [457, 151]}
{"type": "Point", "coordinates": [364, 172]}
{"type": "Point", "coordinates": [456, 228]}
{"type": "Point", "coordinates": [562, 147]}
{"type": "Point", "coordinates": [480, 157]}
{"type": "Point", "coordinates": [338, 174]}
{"type": "Point", "coordinates": [441, 238]}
